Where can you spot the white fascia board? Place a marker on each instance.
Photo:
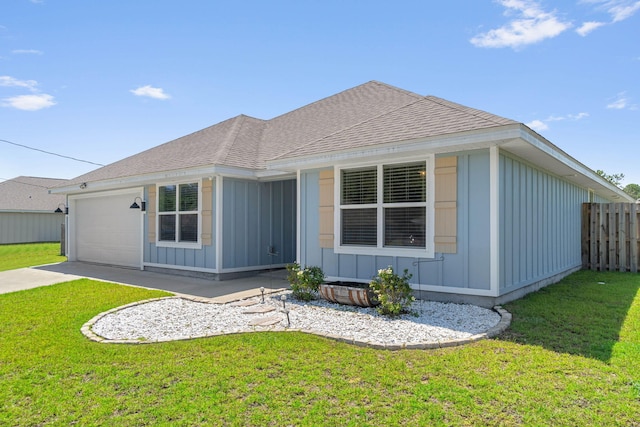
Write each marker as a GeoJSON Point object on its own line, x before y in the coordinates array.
{"type": "Point", "coordinates": [148, 179]}
{"type": "Point", "coordinates": [553, 151]}
{"type": "Point", "coordinates": [483, 138]}
{"type": "Point", "coordinates": [272, 175]}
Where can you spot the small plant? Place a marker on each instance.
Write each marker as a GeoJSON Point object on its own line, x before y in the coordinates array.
{"type": "Point", "coordinates": [304, 282]}
{"type": "Point", "coordinates": [392, 291]}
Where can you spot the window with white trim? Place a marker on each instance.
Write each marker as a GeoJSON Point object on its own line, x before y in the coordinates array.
{"type": "Point", "coordinates": [178, 212]}
{"type": "Point", "coordinates": [384, 208]}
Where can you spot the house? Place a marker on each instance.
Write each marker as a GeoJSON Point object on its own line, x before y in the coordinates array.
{"type": "Point", "coordinates": [477, 207]}
{"type": "Point", "coordinates": [27, 210]}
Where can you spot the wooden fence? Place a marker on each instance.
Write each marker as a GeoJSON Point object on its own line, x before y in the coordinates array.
{"type": "Point", "coordinates": [610, 236]}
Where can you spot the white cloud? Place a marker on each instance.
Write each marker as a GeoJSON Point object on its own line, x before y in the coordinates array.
{"type": "Point", "coordinates": [151, 92]}
{"type": "Point", "coordinates": [621, 10]}
{"type": "Point", "coordinates": [29, 102]}
{"type": "Point", "coordinates": [618, 10]}
{"type": "Point", "coordinates": [537, 125]}
{"type": "Point", "coordinates": [9, 81]}
{"type": "Point", "coordinates": [578, 116]}
{"type": "Point", "coordinates": [540, 125]}
{"type": "Point", "coordinates": [587, 27]}
{"type": "Point", "coordinates": [621, 102]}
{"type": "Point", "coordinates": [531, 25]}
{"type": "Point", "coordinates": [27, 52]}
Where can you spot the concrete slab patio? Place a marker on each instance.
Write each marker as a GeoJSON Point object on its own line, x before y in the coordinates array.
{"type": "Point", "coordinates": [218, 291]}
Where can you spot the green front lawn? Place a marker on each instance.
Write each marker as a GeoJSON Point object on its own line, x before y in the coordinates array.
{"type": "Point", "coordinates": [571, 358]}
{"type": "Point", "coordinates": [28, 255]}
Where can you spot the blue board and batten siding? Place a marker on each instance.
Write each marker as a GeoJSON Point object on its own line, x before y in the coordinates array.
{"type": "Point", "coordinates": [259, 223]}
{"type": "Point", "coordinates": [540, 227]}
{"type": "Point", "coordinates": [256, 216]}
{"type": "Point", "coordinates": [468, 268]}
{"type": "Point", "coordinates": [539, 231]}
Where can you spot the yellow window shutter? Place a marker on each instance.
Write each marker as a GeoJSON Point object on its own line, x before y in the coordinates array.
{"type": "Point", "coordinates": [207, 212]}
{"type": "Point", "coordinates": [325, 213]}
{"type": "Point", "coordinates": [151, 214]}
{"type": "Point", "coordinates": [446, 195]}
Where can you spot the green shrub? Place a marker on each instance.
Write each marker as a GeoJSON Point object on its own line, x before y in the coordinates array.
{"type": "Point", "coordinates": [392, 292]}
{"type": "Point", "coordinates": [304, 282]}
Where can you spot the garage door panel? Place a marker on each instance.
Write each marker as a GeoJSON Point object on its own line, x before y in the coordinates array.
{"type": "Point", "coordinates": [108, 231]}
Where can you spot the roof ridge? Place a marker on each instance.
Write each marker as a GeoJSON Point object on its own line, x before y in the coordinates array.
{"type": "Point", "coordinates": [353, 125]}
{"type": "Point", "coordinates": [470, 110]}
{"type": "Point", "coordinates": [232, 135]}
{"type": "Point", "coordinates": [36, 177]}
{"type": "Point", "coordinates": [397, 89]}
{"type": "Point", "coordinates": [237, 128]}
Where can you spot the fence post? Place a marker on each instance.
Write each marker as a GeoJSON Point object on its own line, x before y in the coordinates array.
{"type": "Point", "coordinates": [634, 218]}
{"type": "Point", "coordinates": [622, 237]}
{"type": "Point", "coordinates": [585, 235]}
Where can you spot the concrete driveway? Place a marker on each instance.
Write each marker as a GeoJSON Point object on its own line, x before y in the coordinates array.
{"type": "Point", "coordinates": [218, 291]}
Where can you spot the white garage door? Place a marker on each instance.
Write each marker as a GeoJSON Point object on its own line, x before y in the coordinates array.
{"type": "Point", "coordinates": [107, 231]}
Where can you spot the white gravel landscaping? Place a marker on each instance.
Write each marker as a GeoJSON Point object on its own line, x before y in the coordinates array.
{"type": "Point", "coordinates": [177, 318]}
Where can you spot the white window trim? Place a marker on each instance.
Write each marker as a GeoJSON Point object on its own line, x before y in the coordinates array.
{"type": "Point", "coordinates": [427, 252]}
{"type": "Point", "coordinates": [182, 245]}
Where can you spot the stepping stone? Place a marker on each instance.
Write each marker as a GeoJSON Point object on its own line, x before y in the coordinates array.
{"type": "Point", "coordinates": [244, 303]}
{"type": "Point", "coordinates": [265, 321]}
{"type": "Point", "coordinates": [260, 309]}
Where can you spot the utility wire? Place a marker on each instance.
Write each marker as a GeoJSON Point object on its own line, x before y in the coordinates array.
{"type": "Point", "coordinates": [23, 183]}
{"type": "Point", "coordinates": [48, 152]}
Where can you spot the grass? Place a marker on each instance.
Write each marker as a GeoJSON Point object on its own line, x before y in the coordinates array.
{"type": "Point", "coordinates": [571, 358]}
{"type": "Point", "coordinates": [29, 254]}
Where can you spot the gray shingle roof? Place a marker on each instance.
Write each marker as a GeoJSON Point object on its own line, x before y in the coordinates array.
{"type": "Point", "coordinates": [370, 114]}
{"type": "Point", "coordinates": [28, 193]}
{"type": "Point", "coordinates": [426, 117]}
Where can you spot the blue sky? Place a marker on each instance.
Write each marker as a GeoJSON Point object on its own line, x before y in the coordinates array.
{"type": "Point", "coordinates": [102, 80]}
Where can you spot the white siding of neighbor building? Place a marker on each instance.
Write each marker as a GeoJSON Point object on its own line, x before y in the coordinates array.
{"type": "Point", "coordinates": [30, 227]}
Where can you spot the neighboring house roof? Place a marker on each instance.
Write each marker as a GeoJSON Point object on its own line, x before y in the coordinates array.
{"type": "Point", "coordinates": [30, 194]}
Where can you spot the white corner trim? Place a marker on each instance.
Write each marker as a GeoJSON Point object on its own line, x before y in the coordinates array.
{"type": "Point", "coordinates": [298, 216]}
{"type": "Point", "coordinates": [218, 220]}
{"type": "Point", "coordinates": [494, 220]}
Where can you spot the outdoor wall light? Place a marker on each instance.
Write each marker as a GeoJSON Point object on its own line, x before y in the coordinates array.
{"type": "Point", "coordinates": [142, 205]}
{"type": "Point", "coordinates": [83, 185]}
{"type": "Point", "coordinates": [66, 209]}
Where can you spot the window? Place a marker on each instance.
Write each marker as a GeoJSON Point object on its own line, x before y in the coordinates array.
{"type": "Point", "coordinates": [385, 208]}
{"type": "Point", "coordinates": [178, 210]}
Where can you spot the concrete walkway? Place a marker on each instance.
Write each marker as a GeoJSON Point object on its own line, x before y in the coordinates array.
{"type": "Point", "coordinates": [218, 291]}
